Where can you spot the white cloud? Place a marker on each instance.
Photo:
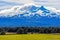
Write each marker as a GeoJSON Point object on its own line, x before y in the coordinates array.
{"type": "Point", "coordinates": [52, 3]}
{"type": "Point", "coordinates": [20, 1]}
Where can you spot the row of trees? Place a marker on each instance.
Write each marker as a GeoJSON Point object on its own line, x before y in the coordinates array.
{"type": "Point", "coordinates": [38, 30]}
{"type": "Point", "coordinates": [25, 30]}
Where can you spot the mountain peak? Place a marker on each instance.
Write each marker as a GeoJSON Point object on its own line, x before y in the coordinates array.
{"type": "Point", "coordinates": [43, 8]}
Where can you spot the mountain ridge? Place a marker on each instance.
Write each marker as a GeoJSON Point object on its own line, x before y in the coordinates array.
{"type": "Point", "coordinates": [29, 9]}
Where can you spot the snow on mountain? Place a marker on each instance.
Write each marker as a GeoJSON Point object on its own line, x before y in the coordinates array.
{"type": "Point", "coordinates": [30, 9]}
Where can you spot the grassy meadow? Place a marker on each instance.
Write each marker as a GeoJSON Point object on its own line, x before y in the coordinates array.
{"type": "Point", "coordinates": [30, 37]}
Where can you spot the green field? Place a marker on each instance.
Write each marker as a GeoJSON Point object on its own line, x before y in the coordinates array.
{"type": "Point", "coordinates": [31, 37]}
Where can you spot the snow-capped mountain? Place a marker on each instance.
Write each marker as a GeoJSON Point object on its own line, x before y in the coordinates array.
{"type": "Point", "coordinates": [30, 15]}
{"type": "Point", "coordinates": [30, 10]}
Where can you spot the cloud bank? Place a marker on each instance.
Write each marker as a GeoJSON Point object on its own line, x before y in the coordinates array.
{"type": "Point", "coordinates": [53, 3]}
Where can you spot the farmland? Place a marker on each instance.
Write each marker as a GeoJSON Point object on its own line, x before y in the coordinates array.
{"type": "Point", "coordinates": [30, 37]}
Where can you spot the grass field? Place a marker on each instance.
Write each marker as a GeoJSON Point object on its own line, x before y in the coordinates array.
{"type": "Point", "coordinates": [31, 37]}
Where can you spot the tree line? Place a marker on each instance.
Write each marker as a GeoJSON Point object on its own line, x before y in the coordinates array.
{"type": "Point", "coordinates": [26, 30]}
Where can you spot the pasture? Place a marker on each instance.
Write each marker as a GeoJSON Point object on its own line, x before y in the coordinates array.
{"type": "Point", "coordinates": [30, 37]}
